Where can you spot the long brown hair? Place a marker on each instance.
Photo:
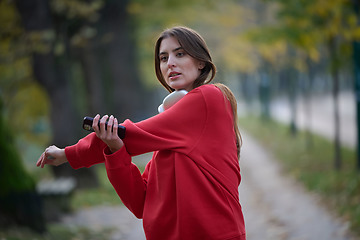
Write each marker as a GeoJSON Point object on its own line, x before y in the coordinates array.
{"type": "Point", "coordinates": [230, 96]}
{"type": "Point", "coordinates": [194, 45]}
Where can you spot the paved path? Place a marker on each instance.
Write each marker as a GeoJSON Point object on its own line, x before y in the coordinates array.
{"type": "Point", "coordinates": [117, 219]}
{"type": "Point", "coordinates": [276, 207]}
{"type": "Point", "coordinates": [321, 118]}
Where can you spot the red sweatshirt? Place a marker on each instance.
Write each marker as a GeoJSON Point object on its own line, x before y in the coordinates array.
{"type": "Point", "coordinates": [189, 189]}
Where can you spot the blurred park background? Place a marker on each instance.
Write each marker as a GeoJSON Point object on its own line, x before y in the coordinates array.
{"type": "Point", "coordinates": [294, 66]}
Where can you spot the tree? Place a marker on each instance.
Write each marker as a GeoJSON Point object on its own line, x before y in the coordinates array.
{"type": "Point", "coordinates": [84, 50]}
{"type": "Point", "coordinates": [51, 68]}
{"type": "Point", "coordinates": [310, 25]}
{"type": "Point", "coordinates": [356, 57]}
{"type": "Point", "coordinates": [128, 96]}
{"type": "Point", "coordinates": [19, 201]}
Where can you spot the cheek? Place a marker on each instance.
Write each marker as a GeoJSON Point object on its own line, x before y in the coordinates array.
{"type": "Point", "coordinates": [195, 71]}
{"type": "Point", "coordinates": [163, 71]}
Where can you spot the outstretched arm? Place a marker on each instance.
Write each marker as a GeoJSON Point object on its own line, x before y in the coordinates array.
{"type": "Point", "coordinates": [88, 151]}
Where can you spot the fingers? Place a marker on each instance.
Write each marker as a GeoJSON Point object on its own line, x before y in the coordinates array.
{"type": "Point", "coordinates": [102, 123]}
{"type": "Point", "coordinates": [45, 157]}
{"type": "Point", "coordinates": [115, 126]}
{"type": "Point", "coordinates": [42, 160]}
{"type": "Point", "coordinates": [110, 125]}
{"type": "Point", "coordinates": [39, 162]}
{"type": "Point", "coordinates": [104, 127]}
{"type": "Point", "coordinates": [95, 125]}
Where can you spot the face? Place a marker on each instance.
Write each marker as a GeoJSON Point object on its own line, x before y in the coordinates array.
{"type": "Point", "coordinates": [179, 69]}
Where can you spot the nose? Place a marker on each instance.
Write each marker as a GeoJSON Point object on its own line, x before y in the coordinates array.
{"type": "Point", "coordinates": [171, 62]}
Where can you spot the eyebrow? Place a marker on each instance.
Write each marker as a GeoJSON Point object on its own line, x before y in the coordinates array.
{"type": "Point", "coordinates": [176, 49]}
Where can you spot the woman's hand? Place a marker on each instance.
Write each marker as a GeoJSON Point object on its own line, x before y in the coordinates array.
{"type": "Point", "coordinates": [52, 156]}
{"type": "Point", "coordinates": [110, 135]}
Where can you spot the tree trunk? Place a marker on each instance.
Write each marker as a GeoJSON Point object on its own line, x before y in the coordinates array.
{"type": "Point", "coordinates": [128, 97]}
{"type": "Point", "coordinates": [335, 78]}
{"type": "Point", "coordinates": [52, 72]}
{"type": "Point", "coordinates": [308, 107]}
{"type": "Point", "coordinates": [93, 81]}
{"type": "Point", "coordinates": [264, 91]}
{"type": "Point", "coordinates": [291, 91]}
{"type": "Point", "coordinates": [356, 59]}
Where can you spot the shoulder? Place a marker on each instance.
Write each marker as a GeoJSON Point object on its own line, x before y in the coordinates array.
{"type": "Point", "coordinates": [208, 90]}
{"type": "Point", "coordinates": [216, 99]}
{"type": "Point", "coordinates": [204, 96]}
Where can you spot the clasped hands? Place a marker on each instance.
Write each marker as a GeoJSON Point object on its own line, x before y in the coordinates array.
{"type": "Point", "coordinates": [56, 156]}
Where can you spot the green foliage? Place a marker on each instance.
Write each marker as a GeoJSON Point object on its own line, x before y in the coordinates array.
{"type": "Point", "coordinates": [78, 9]}
{"type": "Point", "coordinates": [307, 26]}
{"type": "Point", "coordinates": [13, 175]}
{"type": "Point", "coordinates": [313, 166]}
{"type": "Point", "coordinates": [25, 102]}
{"type": "Point", "coordinates": [221, 23]}
{"type": "Point", "coordinates": [14, 65]}
{"type": "Point", "coordinates": [78, 18]}
{"type": "Point", "coordinates": [22, 102]}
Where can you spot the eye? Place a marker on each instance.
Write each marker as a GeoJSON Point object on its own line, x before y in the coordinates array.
{"type": "Point", "coordinates": [163, 58]}
{"type": "Point", "coordinates": [180, 54]}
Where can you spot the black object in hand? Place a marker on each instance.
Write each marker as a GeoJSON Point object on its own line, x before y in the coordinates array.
{"type": "Point", "coordinates": [88, 122]}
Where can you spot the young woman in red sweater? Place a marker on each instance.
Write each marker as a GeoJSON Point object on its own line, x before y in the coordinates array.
{"type": "Point", "coordinates": [189, 189]}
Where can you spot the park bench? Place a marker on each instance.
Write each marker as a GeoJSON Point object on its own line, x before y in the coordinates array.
{"type": "Point", "coordinates": [56, 195]}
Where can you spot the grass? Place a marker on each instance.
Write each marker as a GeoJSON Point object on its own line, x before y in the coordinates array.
{"type": "Point", "coordinates": [104, 195]}
{"type": "Point", "coordinates": [311, 161]}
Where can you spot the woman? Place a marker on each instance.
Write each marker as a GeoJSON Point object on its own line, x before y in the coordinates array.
{"type": "Point", "coordinates": [189, 189]}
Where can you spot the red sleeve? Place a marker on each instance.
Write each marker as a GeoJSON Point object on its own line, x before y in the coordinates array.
{"type": "Point", "coordinates": [125, 177]}
{"type": "Point", "coordinates": [87, 152]}
{"type": "Point", "coordinates": [178, 128]}
{"type": "Point", "coordinates": [127, 180]}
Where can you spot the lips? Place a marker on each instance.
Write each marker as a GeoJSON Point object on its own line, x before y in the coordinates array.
{"type": "Point", "coordinates": [174, 75]}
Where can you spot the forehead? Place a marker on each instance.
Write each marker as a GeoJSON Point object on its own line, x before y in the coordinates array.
{"type": "Point", "coordinates": [169, 44]}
